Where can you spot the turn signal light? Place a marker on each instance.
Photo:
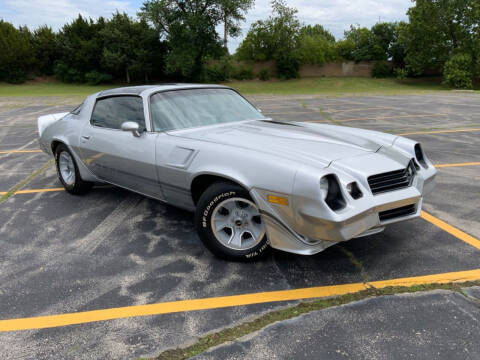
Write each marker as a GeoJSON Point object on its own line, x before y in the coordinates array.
{"type": "Point", "coordinates": [277, 200]}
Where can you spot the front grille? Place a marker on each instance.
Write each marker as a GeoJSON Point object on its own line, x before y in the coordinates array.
{"type": "Point", "coordinates": [392, 180]}
{"type": "Point", "coordinates": [398, 212]}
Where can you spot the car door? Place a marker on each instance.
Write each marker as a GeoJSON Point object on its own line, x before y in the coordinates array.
{"type": "Point", "coordinates": [116, 156]}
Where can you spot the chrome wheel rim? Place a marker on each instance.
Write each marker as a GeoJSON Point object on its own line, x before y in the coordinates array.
{"type": "Point", "coordinates": [237, 224]}
{"type": "Point", "coordinates": [66, 167]}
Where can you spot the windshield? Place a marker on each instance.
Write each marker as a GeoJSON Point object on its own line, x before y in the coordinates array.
{"type": "Point", "coordinates": [181, 109]}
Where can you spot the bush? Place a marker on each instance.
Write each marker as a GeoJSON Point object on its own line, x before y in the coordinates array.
{"type": "Point", "coordinates": [15, 76]}
{"type": "Point", "coordinates": [218, 72]}
{"type": "Point", "coordinates": [95, 78]}
{"type": "Point", "coordinates": [264, 75]}
{"type": "Point", "coordinates": [287, 66]}
{"type": "Point", "coordinates": [243, 73]}
{"type": "Point", "coordinates": [381, 69]}
{"type": "Point", "coordinates": [213, 74]}
{"type": "Point", "coordinates": [457, 71]}
{"type": "Point", "coordinates": [66, 74]}
{"type": "Point", "coordinates": [400, 73]}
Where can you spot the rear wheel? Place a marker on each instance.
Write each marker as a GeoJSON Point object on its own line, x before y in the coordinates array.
{"type": "Point", "coordinates": [230, 224]}
{"type": "Point", "coordinates": [68, 173]}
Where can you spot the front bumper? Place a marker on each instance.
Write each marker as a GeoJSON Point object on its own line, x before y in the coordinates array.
{"type": "Point", "coordinates": [307, 232]}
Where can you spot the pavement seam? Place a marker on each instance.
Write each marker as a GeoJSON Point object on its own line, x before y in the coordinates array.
{"type": "Point", "coordinates": [468, 297]}
{"type": "Point", "coordinates": [25, 181]}
{"type": "Point", "coordinates": [326, 116]}
{"type": "Point", "coordinates": [358, 264]}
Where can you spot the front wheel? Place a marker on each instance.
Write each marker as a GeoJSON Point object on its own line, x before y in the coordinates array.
{"type": "Point", "coordinates": [229, 223]}
{"type": "Point", "coordinates": [68, 173]}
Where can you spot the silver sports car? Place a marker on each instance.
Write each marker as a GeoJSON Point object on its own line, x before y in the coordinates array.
{"type": "Point", "coordinates": [253, 182]}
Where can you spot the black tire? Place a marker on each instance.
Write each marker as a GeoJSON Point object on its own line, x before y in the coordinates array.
{"type": "Point", "coordinates": [78, 186]}
{"type": "Point", "coordinates": [213, 196]}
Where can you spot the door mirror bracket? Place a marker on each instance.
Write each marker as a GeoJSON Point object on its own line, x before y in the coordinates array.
{"type": "Point", "coordinates": [131, 126]}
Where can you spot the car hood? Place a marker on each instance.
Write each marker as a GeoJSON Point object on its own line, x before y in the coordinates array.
{"type": "Point", "coordinates": [312, 144]}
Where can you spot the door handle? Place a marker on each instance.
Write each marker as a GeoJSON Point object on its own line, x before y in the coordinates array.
{"type": "Point", "coordinates": [85, 137]}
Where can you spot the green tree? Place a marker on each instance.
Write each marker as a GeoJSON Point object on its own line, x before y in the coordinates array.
{"type": "Point", "coordinates": [259, 44]}
{"type": "Point", "coordinates": [16, 55]}
{"type": "Point", "coordinates": [81, 48]}
{"type": "Point", "coordinates": [362, 45]}
{"type": "Point", "coordinates": [440, 29]}
{"type": "Point", "coordinates": [274, 39]}
{"type": "Point", "coordinates": [45, 49]}
{"type": "Point", "coordinates": [233, 12]}
{"type": "Point", "coordinates": [386, 36]}
{"type": "Point", "coordinates": [189, 28]}
{"type": "Point", "coordinates": [316, 45]}
{"type": "Point", "coordinates": [126, 46]}
{"type": "Point", "coordinates": [317, 31]}
{"type": "Point", "coordinates": [379, 43]}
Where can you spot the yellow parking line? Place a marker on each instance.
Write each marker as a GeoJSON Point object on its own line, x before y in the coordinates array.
{"type": "Point", "coordinates": [20, 151]}
{"type": "Point", "coordinates": [438, 131]}
{"type": "Point", "coordinates": [356, 109]}
{"type": "Point", "coordinates": [451, 230]}
{"type": "Point", "coordinates": [32, 191]}
{"type": "Point", "coordinates": [457, 164]}
{"type": "Point", "coordinates": [308, 112]}
{"type": "Point", "coordinates": [57, 320]}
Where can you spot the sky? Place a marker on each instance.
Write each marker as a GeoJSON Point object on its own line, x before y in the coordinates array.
{"type": "Point", "coordinates": [335, 15]}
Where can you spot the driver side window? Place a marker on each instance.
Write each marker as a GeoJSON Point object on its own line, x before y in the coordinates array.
{"type": "Point", "coordinates": [112, 112]}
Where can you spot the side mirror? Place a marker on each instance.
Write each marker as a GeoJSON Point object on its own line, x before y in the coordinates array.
{"type": "Point", "coordinates": [131, 126]}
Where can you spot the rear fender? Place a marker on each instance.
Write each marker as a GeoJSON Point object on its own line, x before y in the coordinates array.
{"type": "Point", "coordinates": [85, 173]}
{"type": "Point", "coordinates": [46, 120]}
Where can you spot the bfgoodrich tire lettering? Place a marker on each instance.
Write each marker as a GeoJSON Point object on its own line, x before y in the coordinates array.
{"type": "Point", "coordinates": [250, 243]}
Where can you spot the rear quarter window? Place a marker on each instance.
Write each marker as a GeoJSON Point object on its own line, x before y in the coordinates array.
{"type": "Point", "coordinates": [77, 110]}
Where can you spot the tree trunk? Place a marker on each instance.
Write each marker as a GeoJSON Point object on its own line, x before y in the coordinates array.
{"type": "Point", "coordinates": [128, 75]}
{"type": "Point", "coordinates": [197, 68]}
{"type": "Point", "coordinates": [146, 77]}
{"type": "Point", "coordinates": [225, 30]}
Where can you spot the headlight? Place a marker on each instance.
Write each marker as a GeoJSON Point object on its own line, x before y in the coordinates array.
{"type": "Point", "coordinates": [420, 156]}
{"type": "Point", "coordinates": [324, 187]}
{"type": "Point", "coordinates": [331, 193]}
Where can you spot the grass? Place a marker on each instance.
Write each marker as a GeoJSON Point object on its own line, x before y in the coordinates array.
{"type": "Point", "coordinates": [322, 86]}
{"type": "Point", "coordinates": [50, 88]}
{"type": "Point", "coordinates": [231, 334]}
{"type": "Point", "coordinates": [338, 86]}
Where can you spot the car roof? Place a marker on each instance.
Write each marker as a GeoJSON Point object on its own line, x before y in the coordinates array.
{"type": "Point", "coordinates": [149, 89]}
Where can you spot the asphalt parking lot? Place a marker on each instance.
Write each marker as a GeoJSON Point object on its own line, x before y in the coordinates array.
{"type": "Point", "coordinates": [61, 254]}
